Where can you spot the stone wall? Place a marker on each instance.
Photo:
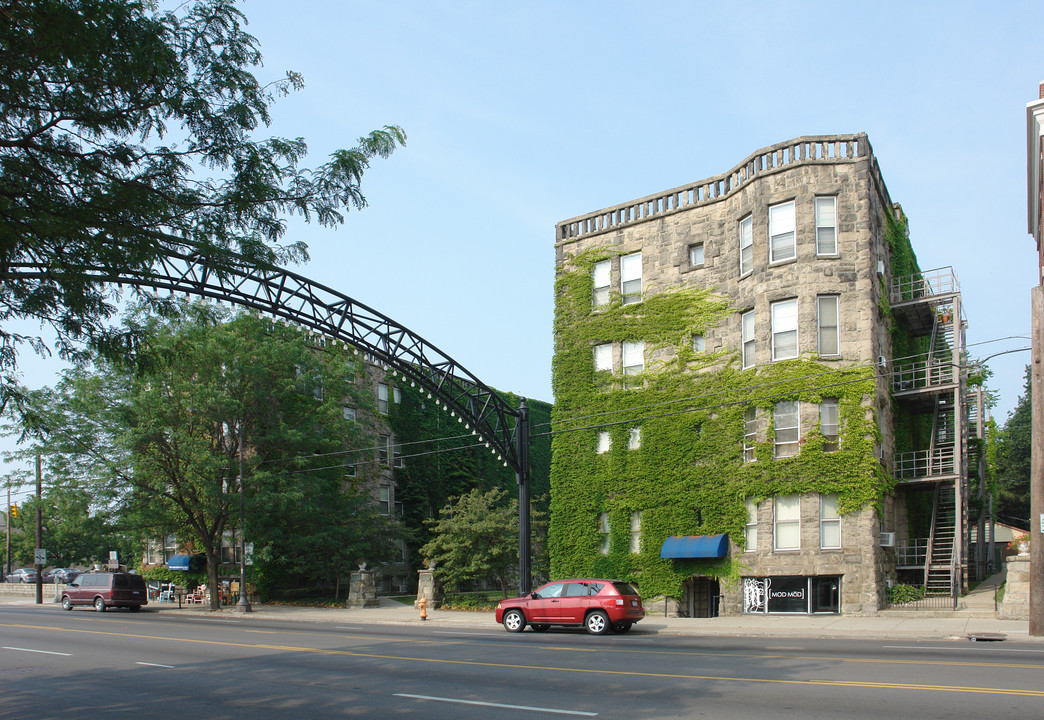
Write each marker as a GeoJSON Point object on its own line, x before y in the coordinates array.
{"type": "Point", "coordinates": [1015, 605]}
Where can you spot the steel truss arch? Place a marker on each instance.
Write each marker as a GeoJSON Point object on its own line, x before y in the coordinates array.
{"type": "Point", "coordinates": [320, 309]}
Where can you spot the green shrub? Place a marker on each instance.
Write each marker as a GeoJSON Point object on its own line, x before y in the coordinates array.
{"type": "Point", "coordinates": [901, 593]}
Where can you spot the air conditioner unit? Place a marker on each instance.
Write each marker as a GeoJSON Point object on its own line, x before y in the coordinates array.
{"type": "Point", "coordinates": [888, 539]}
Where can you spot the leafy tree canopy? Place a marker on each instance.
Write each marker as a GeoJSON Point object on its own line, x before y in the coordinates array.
{"type": "Point", "coordinates": [126, 132]}
{"type": "Point", "coordinates": [1014, 449]}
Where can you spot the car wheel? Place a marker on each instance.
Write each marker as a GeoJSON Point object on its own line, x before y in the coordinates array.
{"type": "Point", "coordinates": [134, 608]}
{"type": "Point", "coordinates": [66, 603]}
{"type": "Point", "coordinates": [541, 627]}
{"type": "Point", "coordinates": [621, 627]}
{"type": "Point", "coordinates": [99, 604]}
{"type": "Point", "coordinates": [514, 621]}
{"type": "Point", "coordinates": [597, 623]}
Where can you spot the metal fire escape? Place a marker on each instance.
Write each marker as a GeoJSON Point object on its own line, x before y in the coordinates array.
{"type": "Point", "coordinates": [932, 386]}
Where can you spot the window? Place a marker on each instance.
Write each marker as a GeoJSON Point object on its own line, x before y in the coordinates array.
{"type": "Point", "coordinates": [350, 469]}
{"type": "Point", "coordinates": [826, 226]}
{"type": "Point", "coordinates": [397, 455]}
{"type": "Point", "coordinates": [746, 245]}
{"type": "Point", "coordinates": [699, 343]}
{"type": "Point", "coordinates": [829, 522]}
{"type": "Point", "coordinates": [696, 255]}
{"type": "Point", "coordinates": [636, 531]}
{"type": "Point", "coordinates": [782, 238]}
{"type": "Point", "coordinates": [747, 333]}
{"type": "Point", "coordinates": [631, 278]}
{"type": "Point", "coordinates": [349, 413]}
{"type": "Point", "coordinates": [750, 433]}
{"type": "Point", "coordinates": [383, 449]}
{"type": "Point", "coordinates": [787, 522]}
{"type": "Point", "coordinates": [634, 438]}
{"type": "Point", "coordinates": [603, 528]}
{"type": "Point", "coordinates": [603, 357]}
{"type": "Point", "coordinates": [605, 441]}
{"type": "Point", "coordinates": [826, 310]}
{"type": "Point", "coordinates": [396, 396]}
{"type": "Point", "coordinates": [750, 532]}
{"type": "Point", "coordinates": [382, 398]}
{"type": "Point", "coordinates": [786, 421]}
{"type": "Point", "coordinates": [601, 283]}
{"type": "Point", "coordinates": [784, 320]}
{"type": "Point", "coordinates": [384, 502]}
{"type": "Point", "coordinates": [828, 423]}
{"type": "Point", "coordinates": [633, 357]}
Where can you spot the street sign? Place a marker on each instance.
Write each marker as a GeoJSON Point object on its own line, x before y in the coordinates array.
{"type": "Point", "coordinates": [39, 556]}
{"type": "Point", "coordinates": [114, 562]}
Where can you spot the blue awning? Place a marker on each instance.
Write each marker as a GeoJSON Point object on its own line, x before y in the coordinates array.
{"type": "Point", "coordinates": [696, 546]}
{"type": "Point", "coordinates": [179, 562]}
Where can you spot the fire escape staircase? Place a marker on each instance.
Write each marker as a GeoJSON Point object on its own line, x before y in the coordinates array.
{"type": "Point", "coordinates": [940, 565]}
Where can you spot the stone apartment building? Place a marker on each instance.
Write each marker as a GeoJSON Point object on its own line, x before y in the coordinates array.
{"type": "Point", "coordinates": [760, 398]}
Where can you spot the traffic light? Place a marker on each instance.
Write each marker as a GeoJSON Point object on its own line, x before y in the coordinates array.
{"type": "Point", "coordinates": [14, 512]}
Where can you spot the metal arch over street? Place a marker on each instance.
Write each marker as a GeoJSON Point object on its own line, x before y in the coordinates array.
{"type": "Point", "coordinates": [323, 310]}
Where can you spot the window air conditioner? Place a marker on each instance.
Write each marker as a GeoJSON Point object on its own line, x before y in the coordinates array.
{"type": "Point", "coordinates": [888, 539]}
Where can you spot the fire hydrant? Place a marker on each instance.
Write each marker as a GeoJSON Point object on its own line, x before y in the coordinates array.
{"type": "Point", "coordinates": [422, 605]}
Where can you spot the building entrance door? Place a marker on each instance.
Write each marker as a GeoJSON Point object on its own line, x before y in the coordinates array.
{"type": "Point", "coordinates": [702, 595]}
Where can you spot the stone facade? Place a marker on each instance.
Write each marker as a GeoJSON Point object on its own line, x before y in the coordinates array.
{"type": "Point", "coordinates": [1015, 605]}
{"type": "Point", "coordinates": [707, 216]}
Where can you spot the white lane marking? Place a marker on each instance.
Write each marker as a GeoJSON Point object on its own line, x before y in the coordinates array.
{"type": "Point", "coordinates": [346, 627]}
{"type": "Point", "coordinates": [154, 665]}
{"type": "Point", "coordinates": [43, 652]}
{"type": "Point", "coordinates": [497, 705]}
{"type": "Point", "coordinates": [961, 647]}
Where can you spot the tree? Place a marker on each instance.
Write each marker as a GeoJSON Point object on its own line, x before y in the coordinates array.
{"type": "Point", "coordinates": [475, 537]}
{"type": "Point", "coordinates": [163, 444]}
{"type": "Point", "coordinates": [126, 133]}
{"type": "Point", "coordinates": [1013, 461]}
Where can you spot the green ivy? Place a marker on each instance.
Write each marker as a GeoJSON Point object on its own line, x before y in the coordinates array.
{"type": "Point", "coordinates": [688, 476]}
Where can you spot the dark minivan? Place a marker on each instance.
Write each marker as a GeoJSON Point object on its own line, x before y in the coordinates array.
{"type": "Point", "coordinates": [106, 589]}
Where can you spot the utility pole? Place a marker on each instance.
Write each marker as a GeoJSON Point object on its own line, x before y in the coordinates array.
{"type": "Point", "coordinates": [8, 553]}
{"type": "Point", "coordinates": [39, 529]}
{"type": "Point", "coordinates": [243, 604]}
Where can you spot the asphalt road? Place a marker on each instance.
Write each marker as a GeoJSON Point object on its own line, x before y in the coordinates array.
{"type": "Point", "coordinates": [154, 665]}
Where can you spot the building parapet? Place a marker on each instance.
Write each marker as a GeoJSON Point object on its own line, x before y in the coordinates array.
{"type": "Point", "coordinates": [809, 150]}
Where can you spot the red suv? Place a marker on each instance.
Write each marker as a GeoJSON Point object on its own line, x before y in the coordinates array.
{"type": "Point", "coordinates": [106, 589]}
{"type": "Point", "coordinates": [597, 605]}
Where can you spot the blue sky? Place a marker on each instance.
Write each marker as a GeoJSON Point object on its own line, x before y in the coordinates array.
{"type": "Point", "coordinates": [520, 115]}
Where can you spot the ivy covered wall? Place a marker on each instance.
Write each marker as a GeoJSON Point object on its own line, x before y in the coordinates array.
{"type": "Point", "coordinates": [688, 476]}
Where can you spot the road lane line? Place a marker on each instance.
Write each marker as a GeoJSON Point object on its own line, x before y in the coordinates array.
{"type": "Point", "coordinates": [526, 708]}
{"type": "Point", "coordinates": [42, 652]}
{"type": "Point", "coordinates": [961, 647]}
{"type": "Point", "coordinates": [155, 665]}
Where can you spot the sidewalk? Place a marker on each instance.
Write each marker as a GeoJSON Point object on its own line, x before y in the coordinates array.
{"type": "Point", "coordinates": [959, 625]}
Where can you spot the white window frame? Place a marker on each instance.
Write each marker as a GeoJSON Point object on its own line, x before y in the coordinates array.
{"type": "Point", "coordinates": [633, 357]}
{"type": "Point", "coordinates": [750, 433]}
{"type": "Point", "coordinates": [631, 278]}
{"type": "Point", "coordinates": [786, 522]}
{"type": "Point", "coordinates": [382, 398]}
{"type": "Point", "coordinates": [384, 500]}
{"type": "Point", "coordinates": [828, 336]}
{"type": "Point", "coordinates": [783, 317]}
{"type": "Point", "coordinates": [349, 413]}
{"type": "Point", "coordinates": [786, 426]}
{"type": "Point", "coordinates": [603, 357]}
{"type": "Point", "coordinates": [604, 443]}
{"type": "Point", "coordinates": [826, 226]}
{"type": "Point", "coordinates": [782, 232]}
{"type": "Point", "coordinates": [699, 342]}
{"type": "Point", "coordinates": [696, 255]}
{"type": "Point", "coordinates": [634, 438]}
{"type": "Point", "coordinates": [384, 447]}
{"type": "Point", "coordinates": [603, 528]}
{"type": "Point", "coordinates": [750, 530]}
{"type": "Point", "coordinates": [746, 245]}
{"type": "Point", "coordinates": [829, 523]}
{"type": "Point", "coordinates": [601, 277]}
{"type": "Point", "coordinates": [636, 531]}
{"type": "Point", "coordinates": [747, 339]}
{"type": "Point", "coordinates": [830, 423]}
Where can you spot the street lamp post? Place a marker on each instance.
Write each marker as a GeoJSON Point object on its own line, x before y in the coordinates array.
{"type": "Point", "coordinates": [243, 605]}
